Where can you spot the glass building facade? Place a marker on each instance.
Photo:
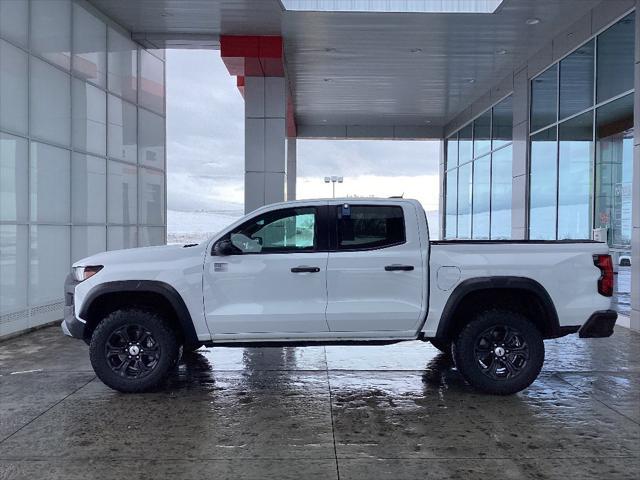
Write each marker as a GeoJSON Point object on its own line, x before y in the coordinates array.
{"type": "Point", "coordinates": [82, 149]}
{"type": "Point", "coordinates": [581, 141]}
{"type": "Point", "coordinates": [478, 176]}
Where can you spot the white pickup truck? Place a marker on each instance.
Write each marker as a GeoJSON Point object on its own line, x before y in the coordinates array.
{"type": "Point", "coordinates": [339, 272]}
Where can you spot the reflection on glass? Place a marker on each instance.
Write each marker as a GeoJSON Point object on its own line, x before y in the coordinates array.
{"type": "Point", "coordinates": [150, 236]}
{"type": "Point", "coordinates": [50, 180]}
{"type": "Point", "coordinates": [616, 59]}
{"type": "Point", "coordinates": [121, 237]}
{"type": "Point", "coordinates": [151, 139]}
{"type": "Point", "coordinates": [123, 66]}
{"type": "Point", "coordinates": [88, 189]}
{"type": "Point", "coordinates": [14, 178]}
{"type": "Point", "coordinates": [576, 81]}
{"type": "Point", "coordinates": [87, 241]}
{"type": "Point", "coordinates": [452, 151]}
{"type": "Point", "coordinates": [122, 130]}
{"type": "Point", "coordinates": [614, 170]}
{"type": "Point", "coordinates": [451, 204]}
{"type": "Point", "coordinates": [51, 31]}
{"type": "Point", "coordinates": [501, 181]}
{"type": "Point", "coordinates": [14, 96]}
{"type": "Point", "coordinates": [50, 103]}
{"type": "Point", "coordinates": [502, 126]}
{"type": "Point", "coordinates": [481, 192]}
{"type": "Point", "coordinates": [465, 146]}
{"type": "Point", "coordinates": [544, 91]}
{"type": "Point", "coordinates": [89, 118]}
{"type": "Point", "coordinates": [49, 262]}
{"type": "Point", "coordinates": [122, 191]}
{"type": "Point", "coordinates": [14, 243]}
{"type": "Point", "coordinates": [151, 211]}
{"type": "Point", "coordinates": [151, 82]}
{"type": "Point", "coordinates": [482, 134]}
{"type": "Point", "coordinates": [543, 186]}
{"type": "Point", "coordinates": [89, 46]}
{"type": "Point", "coordinates": [464, 201]}
{"type": "Point", "coordinates": [14, 21]}
{"type": "Point", "coordinates": [575, 177]}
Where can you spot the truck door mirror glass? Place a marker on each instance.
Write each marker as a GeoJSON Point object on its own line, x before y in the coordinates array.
{"type": "Point", "coordinates": [246, 244]}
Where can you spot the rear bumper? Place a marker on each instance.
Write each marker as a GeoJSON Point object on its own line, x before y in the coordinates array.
{"type": "Point", "coordinates": [71, 325]}
{"type": "Point", "coordinates": [599, 325]}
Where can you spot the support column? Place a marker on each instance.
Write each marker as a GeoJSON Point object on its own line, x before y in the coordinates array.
{"type": "Point", "coordinates": [292, 164]}
{"type": "Point", "coordinates": [520, 171]}
{"type": "Point", "coordinates": [442, 194]}
{"type": "Point", "coordinates": [265, 126]}
{"type": "Point", "coordinates": [635, 189]}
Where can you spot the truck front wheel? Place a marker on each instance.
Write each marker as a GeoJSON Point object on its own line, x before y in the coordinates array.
{"type": "Point", "coordinates": [499, 352]}
{"type": "Point", "coordinates": [133, 350]}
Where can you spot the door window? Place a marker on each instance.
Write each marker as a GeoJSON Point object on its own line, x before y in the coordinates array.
{"type": "Point", "coordinates": [364, 227]}
{"type": "Point", "coordinates": [282, 231]}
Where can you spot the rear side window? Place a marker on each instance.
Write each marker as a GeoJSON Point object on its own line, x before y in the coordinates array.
{"type": "Point", "coordinates": [365, 227]}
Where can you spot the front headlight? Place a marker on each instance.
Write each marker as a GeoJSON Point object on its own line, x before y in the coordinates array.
{"type": "Point", "coordinates": [82, 273]}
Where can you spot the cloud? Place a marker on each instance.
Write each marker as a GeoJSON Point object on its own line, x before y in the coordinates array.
{"type": "Point", "coordinates": [205, 147]}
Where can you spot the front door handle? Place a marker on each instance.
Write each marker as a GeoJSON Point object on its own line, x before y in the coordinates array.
{"type": "Point", "coordinates": [304, 269]}
{"type": "Point", "coordinates": [398, 268]}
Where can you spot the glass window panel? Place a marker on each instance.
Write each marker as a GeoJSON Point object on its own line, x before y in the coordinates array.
{"type": "Point", "coordinates": [451, 206]}
{"type": "Point", "coordinates": [616, 47]}
{"type": "Point", "coordinates": [464, 201]}
{"type": "Point", "coordinates": [465, 146]}
{"type": "Point", "coordinates": [544, 102]}
{"type": "Point", "coordinates": [501, 185]}
{"type": "Point", "coordinates": [89, 46]}
{"type": "Point", "coordinates": [543, 186]}
{"type": "Point", "coordinates": [369, 226]}
{"type": "Point", "coordinates": [123, 66]}
{"type": "Point", "coordinates": [576, 81]}
{"type": "Point", "coordinates": [14, 72]}
{"type": "Point", "coordinates": [50, 103]}
{"type": "Point", "coordinates": [151, 211]}
{"type": "Point", "coordinates": [89, 189]}
{"type": "Point", "coordinates": [50, 183]}
{"type": "Point", "coordinates": [122, 237]}
{"type": "Point", "coordinates": [502, 126]}
{"type": "Point", "coordinates": [452, 152]}
{"type": "Point", "coordinates": [49, 262]}
{"type": "Point", "coordinates": [614, 169]}
{"type": "Point", "coordinates": [122, 130]}
{"type": "Point", "coordinates": [14, 19]}
{"type": "Point", "coordinates": [122, 193]}
{"type": "Point", "coordinates": [575, 177]}
{"type": "Point", "coordinates": [481, 197]}
{"type": "Point", "coordinates": [89, 118]}
{"type": "Point", "coordinates": [482, 134]}
{"type": "Point", "coordinates": [151, 140]}
{"type": "Point", "coordinates": [151, 82]}
{"type": "Point", "coordinates": [14, 244]}
{"type": "Point", "coordinates": [86, 241]}
{"type": "Point", "coordinates": [150, 236]}
{"type": "Point", "coordinates": [14, 178]}
{"type": "Point", "coordinates": [51, 31]}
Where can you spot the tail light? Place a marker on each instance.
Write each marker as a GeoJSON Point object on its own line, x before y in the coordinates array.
{"type": "Point", "coordinates": [605, 282]}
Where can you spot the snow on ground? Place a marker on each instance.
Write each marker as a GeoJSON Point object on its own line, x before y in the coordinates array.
{"type": "Point", "coordinates": [194, 227]}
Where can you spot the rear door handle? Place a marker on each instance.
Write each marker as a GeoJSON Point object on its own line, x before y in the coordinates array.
{"type": "Point", "coordinates": [398, 268]}
{"type": "Point", "coordinates": [304, 269]}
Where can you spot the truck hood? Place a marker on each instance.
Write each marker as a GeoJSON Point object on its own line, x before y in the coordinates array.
{"type": "Point", "coordinates": [162, 253]}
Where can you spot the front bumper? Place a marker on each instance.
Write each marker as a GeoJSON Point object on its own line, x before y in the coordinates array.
{"type": "Point", "coordinates": [71, 325]}
{"type": "Point", "coordinates": [599, 325]}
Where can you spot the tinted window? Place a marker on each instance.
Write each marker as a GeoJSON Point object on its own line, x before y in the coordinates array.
{"type": "Point", "coordinates": [369, 226]}
{"type": "Point", "coordinates": [543, 186]}
{"type": "Point", "coordinates": [576, 81]}
{"type": "Point", "coordinates": [615, 59]}
{"type": "Point", "coordinates": [544, 91]}
{"type": "Point", "coordinates": [289, 230]}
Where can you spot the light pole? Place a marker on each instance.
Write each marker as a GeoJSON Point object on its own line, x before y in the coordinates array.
{"type": "Point", "coordinates": [333, 179]}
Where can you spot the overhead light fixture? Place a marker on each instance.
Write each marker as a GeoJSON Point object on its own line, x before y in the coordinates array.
{"type": "Point", "coordinates": [501, 51]}
{"type": "Point", "coordinates": [427, 122]}
{"type": "Point", "coordinates": [532, 21]}
{"type": "Point", "coordinates": [327, 80]}
{"type": "Point", "coordinates": [416, 50]}
{"type": "Point", "coordinates": [471, 80]}
{"type": "Point", "coordinates": [386, 6]}
{"type": "Point", "coordinates": [330, 50]}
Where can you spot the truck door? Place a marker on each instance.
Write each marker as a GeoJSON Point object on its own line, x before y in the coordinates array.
{"type": "Point", "coordinates": [274, 279]}
{"type": "Point", "coordinates": [375, 269]}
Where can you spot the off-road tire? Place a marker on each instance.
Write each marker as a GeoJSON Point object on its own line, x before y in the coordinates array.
{"type": "Point", "coordinates": [163, 359]}
{"type": "Point", "coordinates": [470, 344]}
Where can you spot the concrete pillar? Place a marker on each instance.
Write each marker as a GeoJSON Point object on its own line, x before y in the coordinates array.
{"type": "Point", "coordinates": [442, 194]}
{"type": "Point", "coordinates": [292, 164]}
{"type": "Point", "coordinates": [520, 169]}
{"type": "Point", "coordinates": [635, 205]}
{"type": "Point", "coordinates": [264, 141]}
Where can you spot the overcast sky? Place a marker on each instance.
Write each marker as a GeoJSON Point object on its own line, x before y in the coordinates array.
{"type": "Point", "coordinates": [205, 147]}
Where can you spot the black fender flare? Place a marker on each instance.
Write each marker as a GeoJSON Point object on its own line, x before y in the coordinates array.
{"type": "Point", "coordinates": [146, 286]}
{"type": "Point", "coordinates": [471, 285]}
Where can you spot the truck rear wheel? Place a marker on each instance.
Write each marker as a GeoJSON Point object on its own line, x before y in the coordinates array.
{"type": "Point", "coordinates": [133, 350]}
{"type": "Point", "coordinates": [499, 352]}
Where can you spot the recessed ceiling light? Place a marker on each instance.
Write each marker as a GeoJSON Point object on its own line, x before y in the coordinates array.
{"type": "Point", "coordinates": [324, 120]}
{"type": "Point", "coordinates": [501, 51]}
{"type": "Point", "coordinates": [330, 50]}
{"type": "Point", "coordinates": [166, 14]}
{"type": "Point", "coordinates": [327, 80]}
{"type": "Point", "coordinates": [427, 122]}
{"type": "Point", "coordinates": [532, 21]}
{"type": "Point", "coordinates": [471, 80]}
{"type": "Point", "coordinates": [416, 50]}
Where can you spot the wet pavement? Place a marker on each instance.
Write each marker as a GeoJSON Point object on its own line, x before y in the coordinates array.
{"type": "Point", "coordinates": [397, 412]}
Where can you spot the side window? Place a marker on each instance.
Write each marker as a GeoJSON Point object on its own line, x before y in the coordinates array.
{"type": "Point", "coordinates": [282, 231]}
{"type": "Point", "coordinates": [363, 227]}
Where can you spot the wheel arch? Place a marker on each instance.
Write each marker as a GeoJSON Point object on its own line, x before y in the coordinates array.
{"type": "Point", "coordinates": [519, 293]}
{"type": "Point", "coordinates": [107, 297]}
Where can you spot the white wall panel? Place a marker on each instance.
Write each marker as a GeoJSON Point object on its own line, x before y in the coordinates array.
{"type": "Point", "coordinates": [50, 183]}
{"type": "Point", "coordinates": [51, 31]}
{"type": "Point", "coordinates": [89, 118]}
{"type": "Point", "coordinates": [50, 262]}
{"type": "Point", "coordinates": [88, 189]}
{"type": "Point", "coordinates": [14, 96]}
{"type": "Point", "coordinates": [14, 178]}
{"type": "Point", "coordinates": [14, 243]}
{"type": "Point", "coordinates": [122, 130]}
{"type": "Point", "coordinates": [151, 82]}
{"type": "Point", "coordinates": [14, 21]}
{"type": "Point", "coordinates": [151, 151]}
{"type": "Point", "coordinates": [89, 46]}
{"type": "Point", "coordinates": [122, 77]}
{"type": "Point", "coordinates": [122, 193]}
{"type": "Point", "coordinates": [87, 240]}
{"type": "Point", "coordinates": [49, 103]}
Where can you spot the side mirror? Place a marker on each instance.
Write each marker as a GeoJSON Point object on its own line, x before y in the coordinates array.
{"type": "Point", "coordinates": [224, 248]}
